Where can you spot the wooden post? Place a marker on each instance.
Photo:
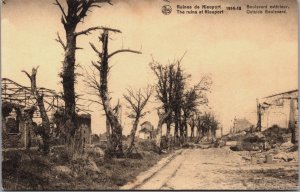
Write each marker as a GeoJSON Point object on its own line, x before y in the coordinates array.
{"type": "Point", "coordinates": [292, 121]}
{"type": "Point", "coordinates": [258, 115]}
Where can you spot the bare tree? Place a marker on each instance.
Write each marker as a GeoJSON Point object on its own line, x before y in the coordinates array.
{"type": "Point", "coordinates": [137, 102]}
{"type": "Point", "coordinates": [39, 98]}
{"type": "Point", "coordinates": [75, 13]}
{"type": "Point", "coordinates": [165, 89]}
{"type": "Point", "coordinates": [101, 86]}
{"type": "Point", "coordinates": [170, 91]}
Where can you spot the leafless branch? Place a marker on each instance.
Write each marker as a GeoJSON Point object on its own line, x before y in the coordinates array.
{"type": "Point", "coordinates": [95, 65]}
{"type": "Point", "coordinates": [94, 101]}
{"type": "Point", "coordinates": [179, 61]}
{"type": "Point", "coordinates": [61, 8]}
{"type": "Point", "coordinates": [103, 1]}
{"type": "Point", "coordinates": [27, 74]}
{"type": "Point", "coordinates": [138, 100]}
{"type": "Point", "coordinates": [89, 30]}
{"type": "Point", "coordinates": [124, 50]}
{"type": "Point", "coordinates": [59, 40]}
{"type": "Point", "coordinates": [95, 49]}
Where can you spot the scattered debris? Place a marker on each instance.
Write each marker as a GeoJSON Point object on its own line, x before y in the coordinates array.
{"type": "Point", "coordinates": [92, 167]}
{"type": "Point", "coordinates": [62, 169]}
{"type": "Point", "coordinates": [287, 146]}
{"type": "Point", "coordinates": [287, 157]}
{"type": "Point", "coordinates": [95, 150]}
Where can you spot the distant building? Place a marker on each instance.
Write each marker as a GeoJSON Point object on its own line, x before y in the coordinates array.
{"type": "Point", "coordinates": [240, 125]}
{"type": "Point", "coordinates": [147, 131]}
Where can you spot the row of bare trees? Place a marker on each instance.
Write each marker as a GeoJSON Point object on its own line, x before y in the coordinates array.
{"type": "Point", "coordinates": [73, 12]}
{"type": "Point", "coordinates": [179, 101]}
{"type": "Point", "coordinates": [206, 124]}
{"type": "Point", "coordinates": [72, 15]}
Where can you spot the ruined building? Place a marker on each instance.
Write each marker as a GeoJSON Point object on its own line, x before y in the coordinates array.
{"type": "Point", "coordinates": [279, 109]}
{"type": "Point", "coordinates": [21, 119]}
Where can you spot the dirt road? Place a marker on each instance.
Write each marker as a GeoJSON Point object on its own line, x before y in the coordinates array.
{"type": "Point", "coordinates": [219, 168]}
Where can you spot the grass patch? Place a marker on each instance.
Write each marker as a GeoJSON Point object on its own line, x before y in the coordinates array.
{"type": "Point", "coordinates": [33, 171]}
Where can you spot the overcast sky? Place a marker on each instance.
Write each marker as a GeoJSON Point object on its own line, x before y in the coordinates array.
{"type": "Point", "coordinates": [248, 56]}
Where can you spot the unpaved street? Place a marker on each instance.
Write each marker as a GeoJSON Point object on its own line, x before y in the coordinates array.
{"type": "Point", "coordinates": [220, 168]}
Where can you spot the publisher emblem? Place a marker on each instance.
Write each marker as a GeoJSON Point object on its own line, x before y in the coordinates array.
{"type": "Point", "coordinates": [166, 9]}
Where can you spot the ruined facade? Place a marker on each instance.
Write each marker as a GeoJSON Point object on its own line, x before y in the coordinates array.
{"type": "Point", "coordinates": [279, 109]}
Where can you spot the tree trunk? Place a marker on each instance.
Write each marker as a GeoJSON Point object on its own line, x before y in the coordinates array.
{"type": "Point", "coordinates": [45, 132]}
{"type": "Point", "coordinates": [116, 127]}
{"type": "Point", "coordinates": [108, 134]}
{"type": "Point", "coordinates": [181, 132]}
{"type": "Point", "coordinates": [192, 131]}
{"type": "Point", "coordinates": [185, 131]}
{"type": "Point", "coordinates": [258, 126]}
{"type": "Point", "coordinates": [116, 148]}
{"type": "Point", "coordinates": [176, 135]}
{"type": "Point", "coordinates": [177, 127]}
{"type": "Point", "coordinates": [27, 118]}
{"type": "Point", "coordinates": [132, 135]}
{"type": "Point", "coordinates": [68, 80]}
{"type": "Point", "coordinates": [45, 125]}
{"type": "Point", "coordinates": [292, 122]}
{"type": "Point", "coordinates": [199, 134]}
{"type": "Point", "coordinates": [162, 118]}
{"type": "Point", "coordinates": [168, 134]}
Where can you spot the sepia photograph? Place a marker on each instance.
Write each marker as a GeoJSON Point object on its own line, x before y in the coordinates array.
{"type": "Point", "coordinates": [101, 95]}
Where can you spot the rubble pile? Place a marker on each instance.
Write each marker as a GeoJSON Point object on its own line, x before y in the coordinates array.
{"type": "Point", "coordinates": [205, 139]}
{"type": "Point", "coordinates": [286, 152]}
{"type": "Point", "coordinates": [276, 135]}
{"type": "Point", "coordinates": [269, 146]}
{"type": "Point", "coordinates": [252, 142]}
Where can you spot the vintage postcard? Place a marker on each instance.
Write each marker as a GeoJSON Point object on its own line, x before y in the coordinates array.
{"type": "Point", "coordinates": [149, 95]}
